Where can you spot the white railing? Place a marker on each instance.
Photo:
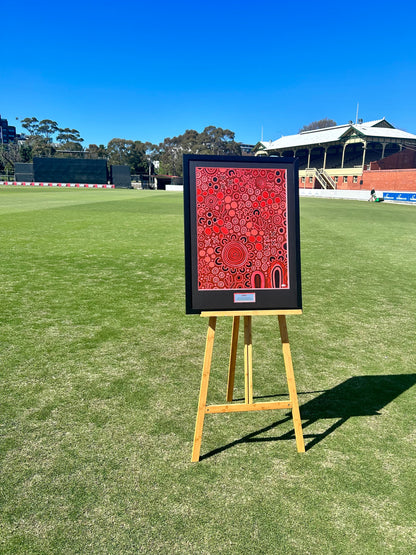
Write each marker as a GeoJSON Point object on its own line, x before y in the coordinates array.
{"type": "Point", "coordinates": [322, 176]}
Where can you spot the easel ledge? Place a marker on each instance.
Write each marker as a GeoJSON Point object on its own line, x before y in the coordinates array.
{"type": "Point", "coordinates": [287, 312]}
{"type": "Point", "coordinates": [249, 404]}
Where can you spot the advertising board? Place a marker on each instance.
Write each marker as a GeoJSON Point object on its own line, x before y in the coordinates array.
{"type": "Point", "coordinates": [399, 196]}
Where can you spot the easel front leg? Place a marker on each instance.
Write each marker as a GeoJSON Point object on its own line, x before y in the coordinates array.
{"type": "Point", "coordinates": [204, 388]}
{"type": "Point", "coordinates": [287, 357]}
{"type": "Point", "coordinates": [248, 360]}
{"type": "Point", "coordinates": [233, 357]}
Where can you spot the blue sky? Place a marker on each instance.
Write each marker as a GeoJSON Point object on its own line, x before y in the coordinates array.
{"type": "Point", "coordinates": [150, 70]}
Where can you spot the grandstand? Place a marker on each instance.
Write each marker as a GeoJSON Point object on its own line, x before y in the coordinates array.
{"type": "Point", "coordinates": [350, 156]}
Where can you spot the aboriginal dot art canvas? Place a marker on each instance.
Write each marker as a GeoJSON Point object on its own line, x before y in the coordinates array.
{"type": "Point", "coordinates": [241, 233]}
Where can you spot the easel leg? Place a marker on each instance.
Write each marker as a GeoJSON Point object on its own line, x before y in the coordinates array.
{"type": "Point", "coordinates": [248, 360]}
{"type": "Point", "coordinates": [287, 357]}
{"type": "Point", "coordinates": [233, 357]}
{"type": "Point", "coordinates": [204, 389]}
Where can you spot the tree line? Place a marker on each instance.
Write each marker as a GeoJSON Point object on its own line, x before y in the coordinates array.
{"type": "Point", "coordinates": [46, 138]}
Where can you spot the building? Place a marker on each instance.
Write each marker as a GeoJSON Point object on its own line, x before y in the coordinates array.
{"type": "Point", "coordinates": [7, 132]}
{"type": "Point", "coordinates": [344, 156]}
{"type": "Point", "coordinates": [246, 149]}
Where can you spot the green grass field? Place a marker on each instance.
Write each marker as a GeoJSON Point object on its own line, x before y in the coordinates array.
{"type": "Point", "coordinates": [100, 372]}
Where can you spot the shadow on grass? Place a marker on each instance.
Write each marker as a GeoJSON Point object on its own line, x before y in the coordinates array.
{"type": "Point", "coordinates": [358, 396]}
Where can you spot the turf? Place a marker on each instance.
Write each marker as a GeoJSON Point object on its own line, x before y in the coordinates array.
{"type": "Point", "coordinates": [100, 372]}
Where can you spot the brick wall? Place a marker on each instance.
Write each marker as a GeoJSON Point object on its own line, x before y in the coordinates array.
{"type": "Point", "coordinates": [406, 159]}
{"type": "Point", "coordinates": [390, 180]}
{"type": "Point", "coordinates": [349, 185]}
{"type": "Point", "coordinates": [381, 180]}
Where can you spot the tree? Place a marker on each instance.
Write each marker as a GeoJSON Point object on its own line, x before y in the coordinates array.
{"type": "Point", "coordinates": [13, 152]}
{"type": "Point", "coordinates": [47, 128]}
{"type": "Point", "coordinates": [130, 153]}
{"type": "Point", "coordinates": [320, 124]}
{"type": "Point", "coordinates": [95, 151]}
{"type": "Point", "coordinates": [31, 125]}
{"type": "Point", "coordinates": [117, 151]}
{"type": "Point", "coordinates": [39, 142]}
{"type": "Point", "coordinates": [25, 151]}
{"type": "Point", "coordinates": [69, 139]}
{"type": "Point", "coordinates": [219, 141]}
{"type": "Point", "coordinates": [169, 154]}
{"type": "Point", "coordinates": [138, 158]}
{"type": "Point", "coordinates": [41, 135]}
{"type": "Point", "coordinates": [9, 155]}
{"type": "Point", "coordinates": [36, 145]}
{"type": "Point", "coordinates": [212, 140]}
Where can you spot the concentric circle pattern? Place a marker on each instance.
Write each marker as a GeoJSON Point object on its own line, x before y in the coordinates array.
{"type": "Point", "coordinates": [241, 228]}
{"type": "Point", "coordinates": [234, 254]}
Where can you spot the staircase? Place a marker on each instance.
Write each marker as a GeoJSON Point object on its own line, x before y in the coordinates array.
{"type": "Point", "coordinates": [322, 176]}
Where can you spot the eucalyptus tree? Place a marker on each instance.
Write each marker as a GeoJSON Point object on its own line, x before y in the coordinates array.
{"type": "Point", "coordinates": [69, 139]}
{"type": "Point", "coordinates": [130, 153]}
{"type": "Point", "coordinates": [319, 124]}
{"type": "Point", "coordinates": [212, 140]}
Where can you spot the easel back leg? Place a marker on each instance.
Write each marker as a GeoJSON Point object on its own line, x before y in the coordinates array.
{"type": "Point", "coordinates": [233, 358]}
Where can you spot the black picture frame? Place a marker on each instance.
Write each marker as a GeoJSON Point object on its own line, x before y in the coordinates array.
{"type": "Point", "coordinates": [283, 297]}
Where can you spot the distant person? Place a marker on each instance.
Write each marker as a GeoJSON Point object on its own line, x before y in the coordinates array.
{"type": "Point", "coordinates": [374, 197]}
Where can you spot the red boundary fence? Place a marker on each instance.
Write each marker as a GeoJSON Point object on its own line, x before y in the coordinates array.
{"type": "Point", "coordinates": [75, 185]}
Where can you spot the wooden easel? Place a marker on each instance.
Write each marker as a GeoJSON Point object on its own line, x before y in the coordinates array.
{"type": "Point", "coordinates": [248, 404]}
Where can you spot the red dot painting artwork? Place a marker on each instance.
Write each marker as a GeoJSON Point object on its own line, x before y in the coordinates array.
{"type": "Point", "coordinates": [241, 234]}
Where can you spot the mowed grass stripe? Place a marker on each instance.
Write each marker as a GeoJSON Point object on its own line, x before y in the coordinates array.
{"type": "Point", "coordinates": [100, 372]}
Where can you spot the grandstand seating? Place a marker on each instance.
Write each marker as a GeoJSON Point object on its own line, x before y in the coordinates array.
{"type": "Point", "coordinates": [333, 159]}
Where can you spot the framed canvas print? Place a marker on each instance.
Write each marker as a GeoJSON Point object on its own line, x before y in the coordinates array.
{"type": "Point", "coordinates": [242, 245]}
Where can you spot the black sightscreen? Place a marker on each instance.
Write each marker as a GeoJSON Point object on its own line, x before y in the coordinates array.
{"type": "Point", "coordinates": [23, 171]}
{"type": "Point", "coordinates": [120, 176]}
{"type": "Point", "coordinates": [69, 170]}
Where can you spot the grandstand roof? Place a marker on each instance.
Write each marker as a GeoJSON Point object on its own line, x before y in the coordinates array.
{"type": "Point", "coordinates": [380, 128]}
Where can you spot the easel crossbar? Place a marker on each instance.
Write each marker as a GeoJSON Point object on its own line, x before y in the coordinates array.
{"type": "Point", "coordinates": [244, 407]}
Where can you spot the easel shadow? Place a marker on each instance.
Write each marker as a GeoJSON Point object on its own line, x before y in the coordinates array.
{"type": "Point", "coordinates": [357, 396]}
